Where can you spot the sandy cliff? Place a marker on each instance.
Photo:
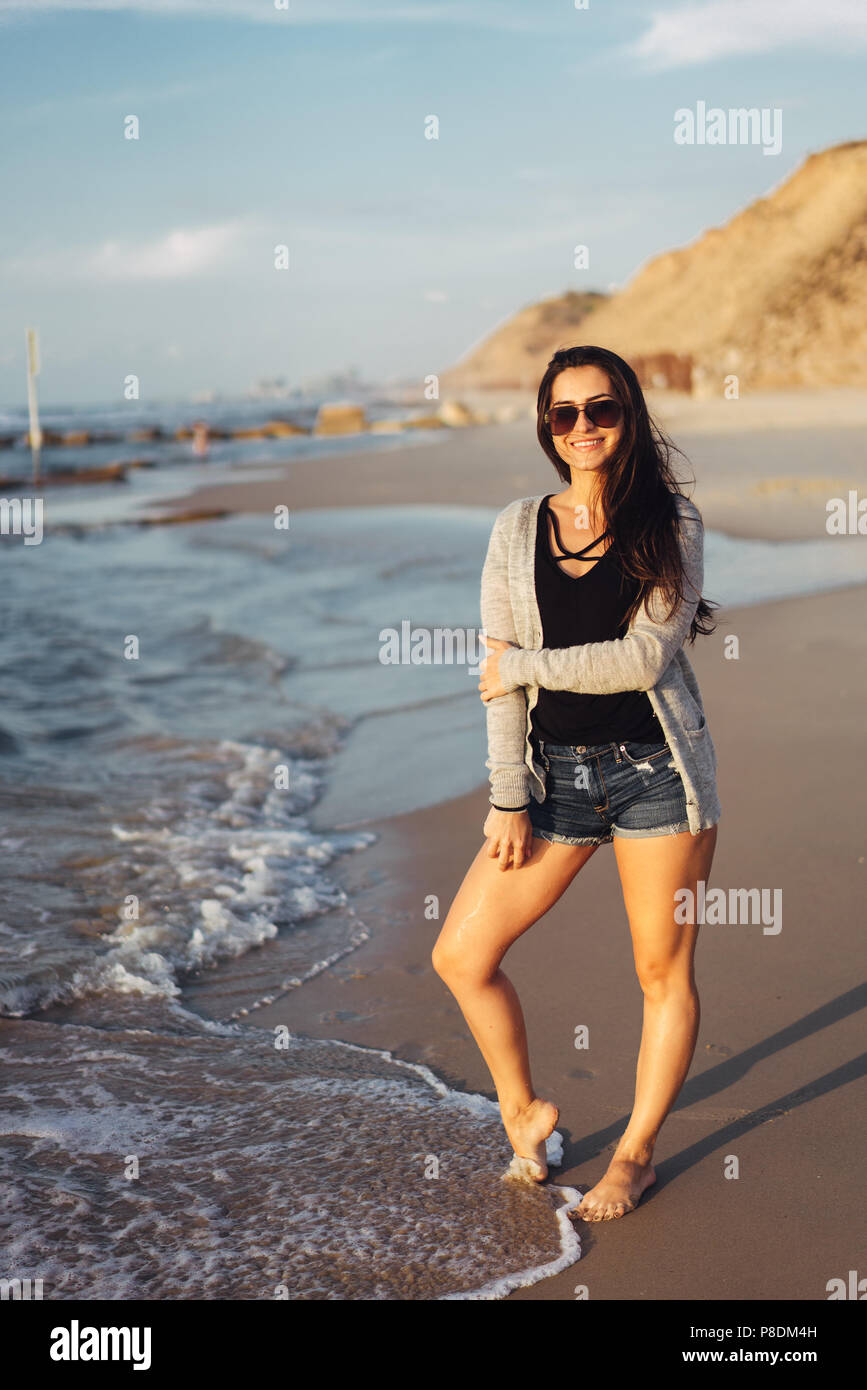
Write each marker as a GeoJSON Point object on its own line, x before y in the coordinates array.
{"type": "Point", "coordinates": [778, 296]}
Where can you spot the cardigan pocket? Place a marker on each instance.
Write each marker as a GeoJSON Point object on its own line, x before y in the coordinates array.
{"type": "Point", "coordinates": [702, 750]}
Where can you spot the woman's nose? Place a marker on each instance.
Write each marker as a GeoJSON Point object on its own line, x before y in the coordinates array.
{"type": "Point", "coordinates": [583, 425]}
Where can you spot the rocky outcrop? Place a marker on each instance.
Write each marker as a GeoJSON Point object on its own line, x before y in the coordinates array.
{"type": "Point", "coordinates": [340, 419]}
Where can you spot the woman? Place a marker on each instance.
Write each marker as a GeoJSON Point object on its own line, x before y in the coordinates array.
{"type": "Point", "coordinates": [596, 733]}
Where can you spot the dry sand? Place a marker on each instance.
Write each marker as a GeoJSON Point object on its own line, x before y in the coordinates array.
{"type": "Point", "coordinates": [775, 1076]}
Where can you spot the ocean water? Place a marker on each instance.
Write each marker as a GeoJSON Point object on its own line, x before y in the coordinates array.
{"type": "Point", "coordinates": [189, 1160]}
{"type": "Point", "coordinates": [174, 819]}
{"type": "Point", "coordinates": [166, 467]}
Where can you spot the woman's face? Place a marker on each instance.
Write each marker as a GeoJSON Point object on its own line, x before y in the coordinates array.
{"type": "Point", "coordinates": [586, 446]}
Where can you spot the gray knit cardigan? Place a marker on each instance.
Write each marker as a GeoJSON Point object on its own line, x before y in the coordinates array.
{"type": "Point", "coordinates": [649, 657]}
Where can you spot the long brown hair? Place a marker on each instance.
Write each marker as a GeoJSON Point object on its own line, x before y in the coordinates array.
{"type": "Point", "coordinates": [637, 488]}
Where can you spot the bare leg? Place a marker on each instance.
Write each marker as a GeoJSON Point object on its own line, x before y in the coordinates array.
{"type": "Point", "coordinates": [491, 909]}
{"type": "Point", "coordinates": [651, 871]}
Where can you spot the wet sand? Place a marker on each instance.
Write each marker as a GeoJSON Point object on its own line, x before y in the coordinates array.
{"type": "Point", "coordinates": [774, 1081]}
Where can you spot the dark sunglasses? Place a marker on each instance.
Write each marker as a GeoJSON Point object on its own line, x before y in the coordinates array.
{"type": "Point", "coordinates": [603, 414]}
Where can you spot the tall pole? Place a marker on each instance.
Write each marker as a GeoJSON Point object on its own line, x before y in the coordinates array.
{"type": "Point", "coordinates": [32, 340]}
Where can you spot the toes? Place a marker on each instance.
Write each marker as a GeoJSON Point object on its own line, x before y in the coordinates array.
{"type": "Point", "coordinates": [623, 1208]}
{"type": "Point", "coordinates": [604, 1208]}
{"type": "Point", "coordinates": [592, 1211]}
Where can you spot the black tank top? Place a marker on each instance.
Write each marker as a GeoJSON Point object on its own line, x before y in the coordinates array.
{"type": "Point", "coordinates": [591, 608]}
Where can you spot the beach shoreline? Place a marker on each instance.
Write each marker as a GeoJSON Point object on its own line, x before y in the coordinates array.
{"type": "Point", "coordinates": [251, 626]}
{"type": "Point", "coordinates": [754, 478]}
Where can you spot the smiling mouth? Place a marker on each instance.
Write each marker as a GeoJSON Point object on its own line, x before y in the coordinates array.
{"type": "Point", "coordinates": [586, 443]}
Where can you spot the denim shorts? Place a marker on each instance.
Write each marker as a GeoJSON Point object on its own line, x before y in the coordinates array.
{"type": "Point", "coordinates": [593, 793]}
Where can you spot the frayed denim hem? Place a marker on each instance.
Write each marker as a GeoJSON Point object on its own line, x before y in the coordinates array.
{"type": "Point", "coordinates": [553, 838]}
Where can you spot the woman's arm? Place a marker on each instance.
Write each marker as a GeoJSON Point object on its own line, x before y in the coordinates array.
{"type": "Point", "coordinates": [506, 716]}
{"type": "Point", "coordinates": [634, 662]}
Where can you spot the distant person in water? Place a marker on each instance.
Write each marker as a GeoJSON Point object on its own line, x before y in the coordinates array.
{"type": "Point", "coordinates": [200, 439]}
{"type": "Point", "coordinates": [596, 735]}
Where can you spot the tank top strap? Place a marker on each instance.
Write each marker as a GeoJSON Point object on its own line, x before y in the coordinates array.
{"type": "Point", "coordinates": [574, 554]}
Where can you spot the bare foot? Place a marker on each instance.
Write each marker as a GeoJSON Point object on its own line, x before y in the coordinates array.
{"type": "Point", "coordinates": [617, 1193]}
{"type": "Point", "coordinates": [527, 1133]}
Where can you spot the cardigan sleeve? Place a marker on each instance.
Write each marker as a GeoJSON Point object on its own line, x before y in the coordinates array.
{"type": "Point", "coordinates": [506, 716]}
{"type": "Point", "coordinates": [633, 662]}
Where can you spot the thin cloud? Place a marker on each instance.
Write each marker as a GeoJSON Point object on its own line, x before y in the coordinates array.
{"type": "Point", "coordinates": [182, 254]}
{"type": "Point", "coordinates": [704, 32]}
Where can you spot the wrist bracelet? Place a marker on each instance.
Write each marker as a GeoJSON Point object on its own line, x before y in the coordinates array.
{"type": "Point", "coordinates": [509, 808]}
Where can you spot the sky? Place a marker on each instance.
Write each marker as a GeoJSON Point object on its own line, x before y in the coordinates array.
{"type": "Point", "coordinates": [303, 125]}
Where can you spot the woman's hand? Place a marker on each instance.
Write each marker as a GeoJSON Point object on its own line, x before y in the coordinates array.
{"type": "Point", "coordinates": [490, 685]}
{"type": "Point", "coordinates": [510, 837]}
